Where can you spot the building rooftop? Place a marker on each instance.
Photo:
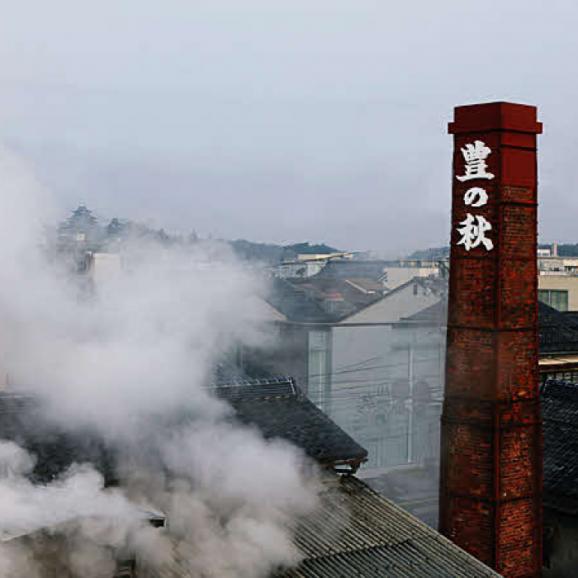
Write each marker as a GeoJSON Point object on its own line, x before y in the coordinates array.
{"type": "Point", "coordinates": [436, 314]}
{"type": "Point", "coordinates": [55, 449]}
{"type": "Point", "coordinates": [276, 407]}
{"type": "Point", "coordinates": [326, 299]}
{"type": "Point", "coordinates": [321, 299]}
{"type": "Point", "coordinates": [279, 409]}
{"type": "Point", "coordinates": [345, 269]}
{"type": "Point", "coordinates": [354, 532]}
{"type": "Point", "coordinates": [357, 532]}
{"type": "Point", "coordinates": [295, 303]}
{"type": "Point", "coordinates": [558, 331]}
{"type": "Point", "coordinates": [560, 415]}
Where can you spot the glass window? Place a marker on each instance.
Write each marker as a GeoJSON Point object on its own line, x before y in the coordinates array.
{"type": "Point", "coordinates": [556, 298]}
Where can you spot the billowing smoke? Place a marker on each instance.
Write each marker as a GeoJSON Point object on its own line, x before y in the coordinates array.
{"type": "Point", "coordinates": [130, 363]}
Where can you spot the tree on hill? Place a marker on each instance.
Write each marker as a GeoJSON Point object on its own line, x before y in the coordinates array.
{"type": "Point", "coordinates": [431, 254]}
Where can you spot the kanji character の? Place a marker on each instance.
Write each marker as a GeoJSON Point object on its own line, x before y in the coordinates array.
{"type": "Point", "coordinates": [475, 197]}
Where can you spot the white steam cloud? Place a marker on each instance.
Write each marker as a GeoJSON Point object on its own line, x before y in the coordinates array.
{"type": "Point", "coordinates": [122, 362]}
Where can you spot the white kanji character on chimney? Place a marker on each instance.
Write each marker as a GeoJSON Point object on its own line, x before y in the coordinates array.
{"type": "Point", "coordinates": [473, 232]}
{"type": "Point", "coordinates": [475, 156]}
{"type": "Point", "coordinates": [475, 197]}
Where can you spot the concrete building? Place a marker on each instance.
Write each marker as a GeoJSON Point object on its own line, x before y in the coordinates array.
{"type": "Point", "coordinates": [399, 272]}
{"type": "Point", "coordinates": [364, 367]}
{"type": "Point", "coordinates": [549, 261]}
{"type": "Point", "coordinates": [307, 264]}
{"type": "Point", "coordinates": [559, 290]}
{"type": "Point", "coordinates": [558, 279]}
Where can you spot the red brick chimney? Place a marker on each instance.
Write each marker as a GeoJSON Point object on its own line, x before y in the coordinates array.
{"type": "Point", "coordinates": [491, 462]}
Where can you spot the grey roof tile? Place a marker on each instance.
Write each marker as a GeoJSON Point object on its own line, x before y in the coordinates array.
{"type": "Point", "coordinates": [280, 409]}
{"type": "Point", "coordinates": [560, 416]}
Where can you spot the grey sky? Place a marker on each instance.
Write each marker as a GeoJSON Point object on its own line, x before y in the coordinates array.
{"type": "Point", "coordinates": [281, 120]}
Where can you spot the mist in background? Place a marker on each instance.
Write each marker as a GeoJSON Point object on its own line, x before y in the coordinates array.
{"type": "Point", "coordinates": [281, 121]}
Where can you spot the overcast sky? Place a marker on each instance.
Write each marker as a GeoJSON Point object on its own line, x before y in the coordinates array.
{"type": "Point", "coordinates": [282, 120]}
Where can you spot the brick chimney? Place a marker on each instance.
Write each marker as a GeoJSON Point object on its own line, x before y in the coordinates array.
{"type": "Point", "coordinates": [491, 462]}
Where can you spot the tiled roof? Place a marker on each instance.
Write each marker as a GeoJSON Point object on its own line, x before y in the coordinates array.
{"type": "Point", "coordinates": [558, 333]}
{"type": "Point", "coordinates": [560, 415]}
{"type": "Point", "coordinates": [366, 284]}
{"type": "Point", "coordinates": [435, 314]}
{"type": "Point", "coordinates": [357, 532]}
{"type": "Point", "coordinates": [55, 449]}
{"type": "Point", "coordinates": [347, 269]}
{"type": "Point", "coordinates": [276, 407]}
{"type": "Point", "coordinates": [280, 409]}
{"type": "Point", "coordinates": [319, 299]}
{"type": "Point", "coordinates": [296, 304]}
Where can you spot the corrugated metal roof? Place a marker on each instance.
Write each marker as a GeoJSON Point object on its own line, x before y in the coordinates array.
{"type": "Point", "coordinates": [358, 533]}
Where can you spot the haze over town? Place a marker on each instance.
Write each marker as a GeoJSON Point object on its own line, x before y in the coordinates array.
{"type": "Point", "coordinates": [261, 316]}
{"type": "Point", "coordinates": [279, 121]}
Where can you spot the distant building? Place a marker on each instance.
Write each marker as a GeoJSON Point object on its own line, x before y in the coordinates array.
{"type": "Point", "coordinates": [103, 267]}
{"type": "Point", "coordinates": [559, 290]}
{"type": "Point", "coordinates": [308, 264]}
{"type": "Point", "coordinates": [550, 262]}
{"type": "Point", "coordinates": [80, 231]}
{"type": "Point", "coordinates": [390, 274]}
{"type": "Point", "coordinates": [352, 354]}
{"type": "Point", "coordinates": [298, 269]}
{"type": "Point", "coordinates": [379, 373]}
{"type": "Point", "coordinates": [558, 279]}
{"type": "Point", "coordinates": [400, 272]}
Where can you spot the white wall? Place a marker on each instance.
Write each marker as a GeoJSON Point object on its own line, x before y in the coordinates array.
{"type": "Point", "coordinates": [396, 276]}
{"type": "Point", "coordinates": [375, 369]}
{"type": "Point", "coordinates": [402, 302]}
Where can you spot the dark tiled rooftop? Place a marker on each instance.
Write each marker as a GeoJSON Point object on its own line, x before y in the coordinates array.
{"type": "Point", "coordinates": [54, 448]}
{"type": "Point", "coordinates": [560, 415]}
{"type": "Point", "coordinates": [276, 407]}
{"type": "Point", "coordinates": [280, 409]}
{"type": "Point", "coordinates": [571, 317]}
{"type": "Point", "coordinates": [345, 269]}
{"type": "Point", "coordinates": [558, 332]}
{"type": "Point", "coordinates": [436, 314]}
{"type": "Point", "coordinates": [295, 303]}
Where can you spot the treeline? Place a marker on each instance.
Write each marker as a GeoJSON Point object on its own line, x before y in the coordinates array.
{"type": "Point", "coordinates": [564, 250]}
{"type": "Point", "coordinates": [83, 231]}
{"type": "Point", "coordinates": [435, 253]}
{"type": "Point", "coordinates": [271, 253]}
{"type": "Point", "coordinates": [431, 254]}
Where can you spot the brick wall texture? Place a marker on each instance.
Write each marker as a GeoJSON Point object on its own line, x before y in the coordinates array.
{"type": "Point", "coordinates": [491, 463]}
